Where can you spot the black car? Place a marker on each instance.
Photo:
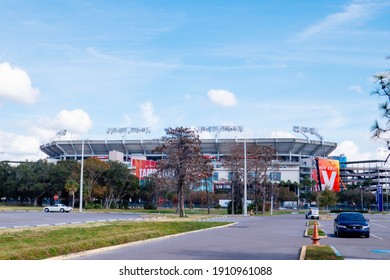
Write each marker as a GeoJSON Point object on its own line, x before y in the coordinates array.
{"type": "Point", "coordinates": [351, 223]}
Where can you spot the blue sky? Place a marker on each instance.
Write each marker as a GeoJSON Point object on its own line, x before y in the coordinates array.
{"type": "Point", "coordinates": [86, 66]}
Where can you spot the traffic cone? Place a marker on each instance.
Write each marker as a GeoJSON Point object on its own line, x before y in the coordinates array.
{"type": "Point", "coordinates": [316, 237]}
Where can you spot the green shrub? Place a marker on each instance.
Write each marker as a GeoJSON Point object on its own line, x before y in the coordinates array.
{"type": "Point", "coordinates": [150, 206]}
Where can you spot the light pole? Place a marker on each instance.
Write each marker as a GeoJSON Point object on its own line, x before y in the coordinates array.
{"type": "Point", "coordinates": [245, 182]}
{"type": "Point", "coordinates": [81, 177]}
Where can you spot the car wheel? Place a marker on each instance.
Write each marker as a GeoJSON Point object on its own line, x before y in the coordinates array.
{"type": "Point", "coordinates": [62, 210]}
{"type": "Point", "coordinates": [46, 210]}
{"type": "Point", "coordinates": [367, 235]}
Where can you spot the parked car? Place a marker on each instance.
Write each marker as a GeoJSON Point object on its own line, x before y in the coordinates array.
{"type": "Point", "coordinates": [351, 223]}
{"type": "Point", "coordinates": [57, 208]}
{"type": "Point", "coordinates": [313, 213]}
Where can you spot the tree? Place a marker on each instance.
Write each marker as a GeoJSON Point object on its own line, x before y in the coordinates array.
{"type": "Point", "coordinates": [93, 172]}
{"type": "Point", "coordinates": [284, 194]}
{"type": "Point", "coordinates": [181, 160]}
{"type": "Point", "coordinates": [327, 198]}
{"type": "Point", "coordinates": [35, 179]}
{"type": "Point", "coordinates": [72, 186]}
{"type": "Point", "coordinates": [206, 173]}
{"type": "Point", "coordinates": [7, 178]}
{"type": "Point", "coordinates": [383, 89]}
{"type": "Point", "coordinates": [150, 191]}
{"type": "Point", "coordinates": [261, 161]}
{"type": "Point", "coordinates": [117, 180]}
{"type": "Point", "coordinates": [234, 162]}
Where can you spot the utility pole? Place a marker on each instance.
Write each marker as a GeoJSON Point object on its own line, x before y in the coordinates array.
{"type": "Point", "coordinates": [81, 177]}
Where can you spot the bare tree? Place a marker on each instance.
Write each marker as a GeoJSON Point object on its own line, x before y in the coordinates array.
{"type": "Point", "coordinates": [234, 162]}
{"type": "Point", "coordinates": [181, 162]}
{"type": "Point", "coordinates": [261, 161]}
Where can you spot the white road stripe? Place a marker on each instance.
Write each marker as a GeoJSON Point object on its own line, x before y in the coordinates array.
{"type": "Point", "coordinates": [380, 238]}
{"type": "Point", "coordinates": [379, 225]}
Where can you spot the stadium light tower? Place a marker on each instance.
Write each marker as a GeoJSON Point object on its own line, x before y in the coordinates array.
{"type": "Point", "coordinates": [59, 134]}
{"type": "Point", "coordinates": [128, 130]}
{"type": "Point", "coordinates": [218, 129]}
{"type": "Point", "coordinates": [311, 130]}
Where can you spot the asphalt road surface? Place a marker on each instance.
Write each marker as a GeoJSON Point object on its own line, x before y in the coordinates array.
{"type": "Point", "coordinates": [21, 219]}
{"type": "Point", "coordinates": [377, 247]}
{"type": "Point", "coordinates": [255, 238]}
{"type": "Point", "coordinates": [249, 238]}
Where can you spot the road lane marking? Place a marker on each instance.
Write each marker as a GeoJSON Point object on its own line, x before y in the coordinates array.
{"type": "Point", "coordinates": [379, 225]}
{"type": "Point", "coordinates": [380, 238]}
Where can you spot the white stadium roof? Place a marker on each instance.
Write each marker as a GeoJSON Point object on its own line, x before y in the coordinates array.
{"type": "Point", "coordinates": [285, 147]}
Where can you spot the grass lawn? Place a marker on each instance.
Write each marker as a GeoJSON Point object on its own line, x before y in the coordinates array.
{"type": "Point", "coordinates": [42, 243]}
{"type": "Point", "coordinates": [321, 252]}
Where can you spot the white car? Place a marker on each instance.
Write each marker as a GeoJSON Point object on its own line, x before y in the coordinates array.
{"type": "Point", "coordinates": [57, 208]}
{"type": "Point", "coordinates": [313, 213]}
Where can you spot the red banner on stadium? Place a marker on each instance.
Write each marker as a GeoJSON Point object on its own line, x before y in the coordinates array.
{"type": "Point", "coordinates": [144, 168]}
{"type": "Point", "coordinates": [327, 174]}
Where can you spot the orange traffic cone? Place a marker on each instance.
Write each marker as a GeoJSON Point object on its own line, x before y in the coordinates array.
{"type": "Point", "coordinates": [316, 237]}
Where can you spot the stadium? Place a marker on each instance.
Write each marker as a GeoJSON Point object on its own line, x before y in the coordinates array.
{"type": "Point", "coordinates": [291, 152]}
{"type": "Point", "coordinates": [296, 159]}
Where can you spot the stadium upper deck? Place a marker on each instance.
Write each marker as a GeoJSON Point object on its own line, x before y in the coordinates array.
{"type": "Point", "coordinates": [288, 149]}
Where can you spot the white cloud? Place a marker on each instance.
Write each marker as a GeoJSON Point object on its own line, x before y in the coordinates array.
{"type": "Point", "coordinates": [355, 13]}
{"type": "Point", "coordinates": [351, 151]}
{"type": "Point", "coordinates": [19, 147]}
{"type": "Point", "coordinates": [356, 88]}
{"type": "Point", "coordinates": [222, 97]}
{"type": "Point", "coordinates": [148, 114]}
{"type": "Point", "coordinates": [74, 121]}
{"type": "Point", "coordinates": [15, 84]}
{"type": "Point", "coordinates": [25, 145]}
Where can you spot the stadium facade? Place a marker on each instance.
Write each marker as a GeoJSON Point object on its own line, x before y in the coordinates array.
{"type": "Point", "coordinates": [296, 159]}
{"type": "Point", "coordinates": [292, 153]}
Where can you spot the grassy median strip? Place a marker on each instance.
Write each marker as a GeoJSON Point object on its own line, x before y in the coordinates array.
{"type": "Point", "coordinates": [322, 252]}
{"type": "Point", "coordinates": [310, 232]}
{"type": "Point", "coordinates": [42, 243]}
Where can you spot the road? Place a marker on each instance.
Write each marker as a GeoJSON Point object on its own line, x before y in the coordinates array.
{"type": "Point", "coordinates": [20, 219]}
{"type": "Point", "coordinates": [249, 238]}
{"type": "Point", "coordinates": [377, 247]}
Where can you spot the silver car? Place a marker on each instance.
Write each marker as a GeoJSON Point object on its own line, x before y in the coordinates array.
{"type": "Point", "coordinates": [57, 208]}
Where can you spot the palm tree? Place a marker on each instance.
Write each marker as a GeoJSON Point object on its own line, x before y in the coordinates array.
{"type": "Point", "coordinates": [71, 186]}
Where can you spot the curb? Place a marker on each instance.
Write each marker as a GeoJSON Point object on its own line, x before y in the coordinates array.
{"type": "Point", "coordinates": [302, 254]}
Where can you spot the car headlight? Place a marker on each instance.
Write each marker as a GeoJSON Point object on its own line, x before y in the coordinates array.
{"type": "Point", "coordinates": [366, 227]}
{"type": "Point", "coordinates": [341, 226]}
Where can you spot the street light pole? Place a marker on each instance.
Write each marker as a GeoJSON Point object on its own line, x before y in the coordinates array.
{"type": "Point", "coordinates": [81, 177]}
{"type": "Point", "coordinates": [245, 182]}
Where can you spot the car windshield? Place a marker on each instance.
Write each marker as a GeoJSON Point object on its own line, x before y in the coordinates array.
{"type": "Point", "coordinates": [351, 217]}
